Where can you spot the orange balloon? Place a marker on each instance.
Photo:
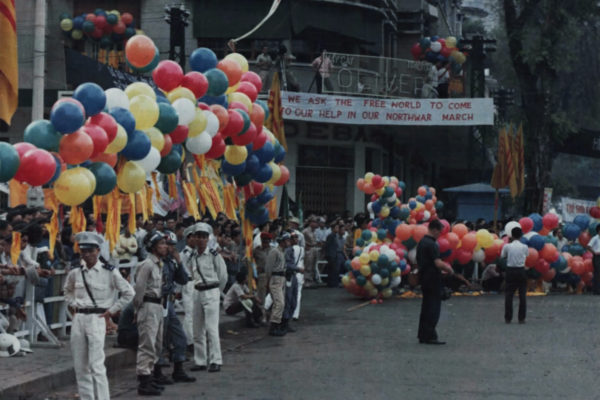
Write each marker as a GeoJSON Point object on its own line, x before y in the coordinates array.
{"type": "Point", "coordinates": [257, 115]}
{"type": "Point", "coordinates": [469, 241]}
{"type": "Point", "coordinates": [231, 69]}
{"type": "Point", "coordinates": [76, 147]}
{"type": "Point", "coordinates": [110, 159]}
{"type": "Point", "coordinates": [460, 229]}
{"type": "Point", "coordinates": [452, 240]}
{"type": "Point", "coordinates": [429, 204]}
{"type": "Point", "coordinates": [222, 115]}
{"type": "Point", "coordinates": [140, 51]}
{"type": "Point", "coordinates": [422, 191]}
{"type": "Point", "coordinates": [360, 184]}
{"type": "Point", "coordinates": [549, 252]}
{"type": "Point", "coordinates": [544, 231]}
{"type": "Point", "coordinates": [368, 188]}
{"type": "Point", "coordinates": [532, 258]}
{"type": "Point", "coordinates": [585, 238]}
{"type": "Point", "coordinates": [404, 231]}
{"type": "Point", "coordinates": [418, 232]}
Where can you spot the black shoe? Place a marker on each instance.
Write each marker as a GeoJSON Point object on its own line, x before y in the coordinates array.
{"type": "Point", "coordinates": [181, 376]}
{"type": "Point", "coordinates": [214, 368]}
{"type": "Point", "coordinates": [521, 321]}
{"type": "Point", "coordinates": [163, 380]}
{"type": "Point", "coordinates": [507, 321]}
{"type": "Point", "coordinates": [276, 330]}
{"type": "Point", "coordinates": [145, 388]}
{"type": "Point", "coordinates": [198, 368]}
{"type": "Point", "coordinates": [434, 341]}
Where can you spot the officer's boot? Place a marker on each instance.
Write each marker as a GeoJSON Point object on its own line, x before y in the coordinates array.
{"type": "Point", "coordinates": [179, 374]}
{"type": "Point", "coordinates": [287, 327]}
{"type": "Point", "coordinates": [145, 387]}
{"type": "Point", "coordinates": [159, 378]}
{"type": "Point", "coordinates": [250, 322]}
{"type": "Point", "coordinates": [275, 330]}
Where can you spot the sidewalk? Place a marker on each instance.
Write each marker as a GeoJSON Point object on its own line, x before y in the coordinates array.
{"type": "Point", "coordinates": [47, 369]}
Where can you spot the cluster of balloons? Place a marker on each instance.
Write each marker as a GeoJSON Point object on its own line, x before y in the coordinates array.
{"type": "Point", "coordinates": [257, 196]}
{"type": "Point", "coordinates": [435, 49]}
{"type": "Point", "coordinates": [106, 27]}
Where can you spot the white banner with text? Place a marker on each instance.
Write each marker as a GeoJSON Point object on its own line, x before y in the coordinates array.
{"type": "Point", "coordinates": [571, 207]}
{"type": "Point", "coordinates": [370, 111]}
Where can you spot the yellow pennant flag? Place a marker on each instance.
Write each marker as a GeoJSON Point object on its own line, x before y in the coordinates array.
{"type": "Point", "coordinates": [149, 192]}
{"type": "Point", "coordinates": [15, 247]}
{"type": "Point", "coordinates": [132, 213]}
{"type": "Point", "coordinates": [143, 203]}
{"type": "Point", "coordinates": [172, 186]}
{"type": "Point", "coordinates": [52, 227]}
{"type": "Point", "coordinates": [9, 66]}
{"type": "Point", "coordinates": [154, 176]}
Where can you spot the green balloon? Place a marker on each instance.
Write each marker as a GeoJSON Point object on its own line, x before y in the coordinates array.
{"type": "Point", "coordinates": [242, 179]}
{"type": "Point", "coordinates": [88, 26]}
{"type": "Point", "coordinates": [361, 280]}
{"type": "Point", "coordinates": [106, 178]}
{"type": "Point", "coordinates": [105, 42]}
{"type": "Point", "coordinates": [170, 163]}
{"type": "Point", "coordinates": [112, 19]}
{"type": "Point", "coordinates": [167, 118]}
{"type": "Point", "coordinates": [9, 162]}
{"type": "Point", "coordinates": [42, 134]}
{"type": "Point", "coordinates": [246, 119]}
{"type": "Point", "coordinates": [264, 106]}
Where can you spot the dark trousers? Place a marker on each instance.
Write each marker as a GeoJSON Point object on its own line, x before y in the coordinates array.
{"type": "Point", "coordinates": [596, 279]}
{"type": "Point", "coordinates": [430, 312]}
{"type": "Point", "coordinates": [128, 339]}
{"type": "Point", "coordinates": [237, 307]}
{"type": "Point", "coordinates": [323, 81]}
{"type": "Point", "coordinates": [174, 336]}
{"type": "Point", "coordinates": [492, 284]}
{"type": "Point", "coordinates": [516, 279]}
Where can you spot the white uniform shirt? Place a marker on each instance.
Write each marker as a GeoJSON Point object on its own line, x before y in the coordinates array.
{"type": "Point", "coordinates": [515, 253]}
{"type": "Point", "coordinates": [212, 266]}
{"type": "Point", "coordinates": [594, 244]}
{"type": "Point", "coordinates": [299, 256]}
{"type": "Point", "coordinates": [104, 285]}
{"type": "Point", "coordinates": [321, 234]}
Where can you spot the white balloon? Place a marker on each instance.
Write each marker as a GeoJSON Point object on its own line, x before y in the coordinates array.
{"type": "Point", "coordinates": [392, 199]}
{"type": "Point", "coordinates": [186, 110]}
{"type": "Point", "coordinates": [370, 208]}
{"type": "Point", "coordinates": [376, 279]}
{"type": "Point", "coordinates": [395, 281]}
{"type": "Point", "coordinates": [116, 98]}
{"type": "Point", "coordinates": [151, 161]}
{"type": "Point", "coordinates": [200, 144]}
{"type": "Point", "coordinates": [529, 235]}
{"type": "Point", "coordinates": [412, 256]}
{"type": "Point", "coordinates": [426, 215]}
{"type": "Point", "coordinates": [436, 47]}
{"type": "Point", "coordinates": [510, 226]}
{"type": "Point", "coordinates": [212, 123]}
{"type": "Point", "coordinates": [479, 256]}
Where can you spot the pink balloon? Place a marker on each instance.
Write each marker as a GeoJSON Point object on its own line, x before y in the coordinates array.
{"type": "Point", "coordinates": [253, 78]}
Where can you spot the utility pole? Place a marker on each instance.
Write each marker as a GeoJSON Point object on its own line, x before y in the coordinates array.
{"type": "Point", "coordinates": [502, 99]}
{"type": "Point", "coordinates": [177, 16]}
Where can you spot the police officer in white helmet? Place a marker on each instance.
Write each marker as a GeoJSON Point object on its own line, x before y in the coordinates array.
{"type": "Point", "coordinates": [91, 291]}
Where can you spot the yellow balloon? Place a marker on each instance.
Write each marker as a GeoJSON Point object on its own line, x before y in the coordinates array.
{"type": "Point", "coordinates": [387, 293]}
{"type": "Point", "coordinates": [241, 98]}
{"type": "Point", "coordinates": [396, 272]}
{"type": "Point", "coordinates": [145, 111]}
{"type": "Point", "coordinates": [236, 154]}
{"type": "Point", "coordinates": [450, 42]}
{"type": "Point", "coordinates": [385, 281]}
{"type": "Point", "coordinates": [240, 59]}
{"type": "Point", "coordinates": [131, 178]}
{"type": "Point", "coordinates": [73, 186]}
{"type": "Point", "coordinates": [369, 176]}
{"type": "Point", "coordinates": [345, 280]}
{"type": "Point", "coordinates": [373, 292]}
{"type": "Point", "coordinates": [157, 139]}
{"type": "Point", "coordinates": [119, 142]}
{"type": "Point", "coordinates": [91, 177]}
{"type": "Point", "coordinates": [365, 270]}
{"type": "Point", "coordinates": [233, 88]}
{"type": "Point", "coordinates": [364, 258]}
{"type": "Point", "coordinates": [198, 124]}
{"type": "Point", "coordinates": [138, 88]}
{"type": "Point", "coordinates": [374, 255]}
{"type": "Point", "coordinates": [276, 173]}
{"type": "Point", "coordinates": [66, 24]}
{"type": "Point", "coordinates": [181, 93]}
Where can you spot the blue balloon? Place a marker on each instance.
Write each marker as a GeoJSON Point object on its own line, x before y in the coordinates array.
{"type": "Point", "coordinates": [210, 100]}
{"type": "Point", "coordinates": [576, 249]}
{"type": "Point", "coordinates": [106, 178]}
{"type": "Point", "coordinates": [412, 205]}
{"type": "Point", "coordinates": [395, 212]}
{"type": "Point", "coordinates": [559, 264]}
{"type": "Point", "coordinates": [252, 164]}
{"type": "Point", "coordinates": [203, 59]}
{"type": "Point", "coordinates": [67, 117]}
{"type": "Point", "coordinates": [249, 148]}
{"type": "Point", "coordinates": [525, 241]}
{"type": "Point", "coordinates": [233, 170]}
{"type": "Point", "coordinates": [138, 146]}
{"type": "Point", "coordinates": [217, 82]}
{"type": "Point", "coordinates": [420, 199]}
{"type": "Point", "coordinates": [376, 207]}
{"type": "Point", "coordinates": [265, 153]}
{"type": "Point", "coordinates": [439, 205]}
{"type": "Point", "coordinates": [266, 196]}
{"type": "Point", "coordinates": [124, 118]}
{"type": "Point", "coordinates": [78, 22]}
{"type": "Point", "coordinates": [91, 96]}
{"type": "Point", "coordinates": [537, 242]}
{"type": "Point", "coordinates": [381, 234]}
{"type": "Point", "coordinates": [178, 148]}
{"type": "Point", "coordinates": [537, 221]}
{"type": "Point", "coordinates": [162, 100]}
{"type": "Point", "coordinates": [402, 185]}
{"type": "Point", "coordinates": [263, 174]}
{"type": "Point", "coordinates": [571, 231]}
{"type": "Point", "coordinates": [582, 220]}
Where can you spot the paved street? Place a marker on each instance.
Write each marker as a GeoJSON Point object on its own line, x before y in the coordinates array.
{"type": "Point", "coordinates": [373, 353]}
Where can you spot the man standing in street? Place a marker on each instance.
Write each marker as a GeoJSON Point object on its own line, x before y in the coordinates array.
{"type": "Point", "coordinates": [594, 247]}
{"type": "Point", "coordinates": [209, 274]}
{"type": "Point", "coordinates": [90, 291]}
{"type": "Point", "coordinates": [150, 315]}
{"type": "Point", "coordinates": [430, 275]}
{"type": "Point", "coordinates": [516, 278]}
{"type": "Point", "coordinates": [311, 253]}
{"type": "Point", "coordinates": [260, 259]}
{"type": "Point", "coordinates": [275, 270]}
{"type": "Point", "coordinates": [187, 291]}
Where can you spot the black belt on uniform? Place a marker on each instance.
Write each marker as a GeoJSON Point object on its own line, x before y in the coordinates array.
{"type": "Point", "coordinates": [148, 299]}
{"type": "Point", "coordinates": [278, 273]}
{"type": "Point", "coordinates": [94, 310]}
{"type": "Point", "coordinates": [202, 287]}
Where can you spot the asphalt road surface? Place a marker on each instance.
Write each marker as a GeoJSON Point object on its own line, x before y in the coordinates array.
{"type": "Point", "coordinates": [373, 353]}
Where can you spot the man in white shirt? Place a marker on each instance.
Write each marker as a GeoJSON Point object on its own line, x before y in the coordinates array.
{"type": "Point", "coordinates": [594, 247]}
{"type": "Point", "coordinates": [516, 278]}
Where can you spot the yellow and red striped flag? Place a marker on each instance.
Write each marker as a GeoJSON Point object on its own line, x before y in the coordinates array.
{"type": "Point", "coordinates": [275, 121]}
{"type": "Point", "coordinates": [9, 65]}
{"type": "Point", "coordinates": [519, 158]}
{"type": "Point", "coordinates": [511, 177]}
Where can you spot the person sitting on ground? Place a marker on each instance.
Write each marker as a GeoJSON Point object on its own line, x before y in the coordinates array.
{"type": "Point", "coordinates": [491, 279]}
{"type": "Point", "coordinates": [238, 299]}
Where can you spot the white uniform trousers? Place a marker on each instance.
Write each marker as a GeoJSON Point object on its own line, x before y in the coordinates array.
{"type": "Point", "coordinates": [206, 326]}
{"type": "Point", "coordinates": [187, 298]}
{"type": "Point", "coordinates": [87, 345]}
{"type": "Point", "coordinates": [150, 322]}
{"type": "Point", "coordinates": [300, 279]}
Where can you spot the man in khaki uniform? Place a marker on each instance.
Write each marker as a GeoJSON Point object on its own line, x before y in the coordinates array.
{"type": "Point", "coordinates": [275, 270]}
{"type": "Point", "coordinates": [150, 315]}
{"type": "Point", "coordinates": [260, 259]}
{"type": "Point", "coordinates": [209, 274]}
{"type": "Point", "coordinates": [91, 290]}
{"type": "Point", "coordinates": [311, 253]}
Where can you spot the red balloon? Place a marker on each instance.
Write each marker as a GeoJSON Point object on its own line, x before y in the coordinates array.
{"type": "Point", "coordinates": [542, 266]}
{"type": "Point", "coordinates": [232, 70]}
{"type": "Point", "coordinates": [179, 134]}
{"type": "Point", "coordinates": [76, 147]}
{"type": "Point", "coordinates": [532, 258]}
{"type": "Point", "coordinates": [469, 241]}
{"type": "Point", "coordinates": [196, 82]}
{"type": "Point", "coordinates": [107, 29]}
{"type": "Point", "coordinates": [595, 212]}
{"type": "Point", "coordinates": [548, 276]}
{"type": "Point", "coordinates": [167, 75]}
{"type": "Point", "coordinates": [235, 124]}
{"type": "Point", "coordinates": [218, 147]}
{"type": "Point", "coordinates": [419, 232]}
{"type": "Point", "coordinates": [463, 256]}
{"type": "Point", "coordinates": [259, 141]}
{"type": "Point", "coordinates": [100, 21]}
{"type": "Point", "coordinates": [119, 28]}
{"type": "Point", "coordinates": [97, 33]}
{"type": "Point", "coordinates": [253, 78]}
{"type": "Point", "coordinates": [285, 176]}
{"type": "Point", "coordinates": [257, 116]}
{"type": "Point", "coordinates": [550, 221]}
{"type": "Point", "coordinates": [376, 181]}
{"type": "Point", "coordinates": [203, 106]}
{"type": "Point", "coordinates": [110, 159]}
{"type": "Point", "coordinates": [584, 238]}
{"type": "Point", "coordinates": [549, 253]}
{"type": "Point", "coordinates": [90, 17]}
{"type": "Point", "coordinates": [415, 50]}
{"type": "Point", "coordinates": [106, 122]}
{"type": "Point", "coordinates": [443, 244]}
{"type": "Point", "coordinates": [245, 138]}
{"type": "Point", "coordinates": [99, 138]}
{"type": "Point", "coordinates": [38, 167]}
{"type": "Point", "coordinates": [453, 240]}
{"type": "Point", "coordinates": [167, 147]}
{"type": "Point", "coordinates": [526, 224]}
{"type": "Point", "coordinates": [249, 90]}
{"type": "Point", "coordinates": [588, 266]}
{"type": "Point", "coordinates": [239, 106]}
{"type": "Point", "coordinates": [22, 148]}
{"type": "Point", "coordinates": [446, 51]}
{"type": "Point", "coordinates": [126, 18]}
